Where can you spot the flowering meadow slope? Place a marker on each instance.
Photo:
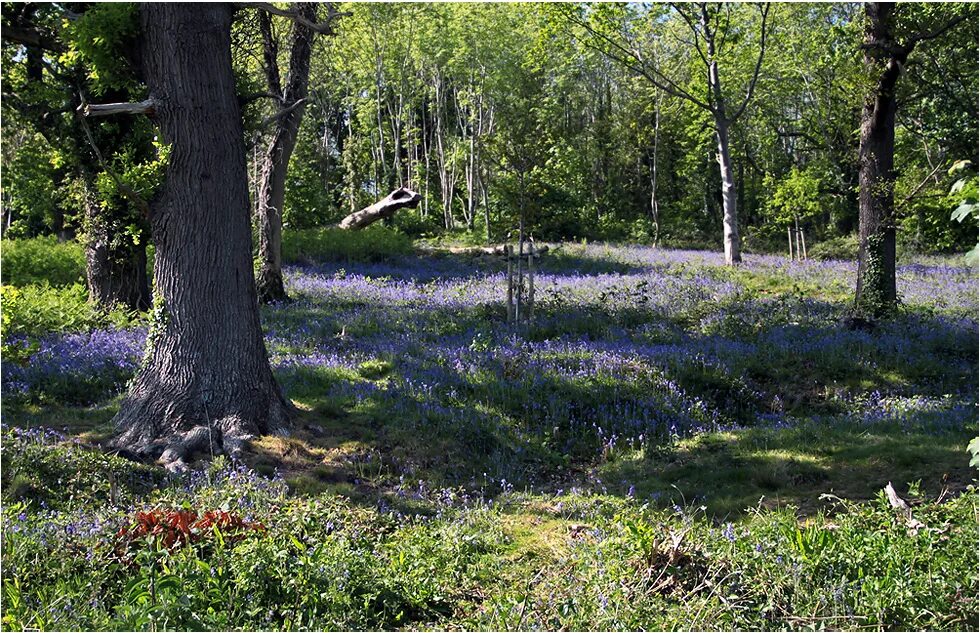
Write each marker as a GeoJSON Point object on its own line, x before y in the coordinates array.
{"type": "Point", "coordinates": [592, 470]}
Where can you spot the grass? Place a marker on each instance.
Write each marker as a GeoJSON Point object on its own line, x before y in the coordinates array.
{"type": "Point", "coordinates": [375, 243]}
{"type": "Point", "coordinates": [734, 471]}
{"type": "Point", "coordinates": [444, 473]}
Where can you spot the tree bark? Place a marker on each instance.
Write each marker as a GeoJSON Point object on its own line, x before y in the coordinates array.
{"type": "Point", "coordinates": [876, 293]}
{"type": "Point", "coordinates": [729, 200]}
{"type": "Point", "coordinates": [205, 377]}
{"type": "Point", "coordinates": [654, 205]}
{"type": "Point", "coordinates": [733, 249]}
{"type": "Point", "coordinates": [115, 274]}
{"type": "Point", "coordinates": [499, 249]}
{"type": "Point", "coordinates": [272, 188]}
{"type": "Point", "coordinates": [486, 205]}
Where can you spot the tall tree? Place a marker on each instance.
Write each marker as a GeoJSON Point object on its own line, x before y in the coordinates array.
{"type": "Point", "coordinates": [886, 52]}
{"type": "Point", "coordinates": [53, 69]}
{"type": "Point", "coordinates": [712, 28]}
{"type": "Point", "coordinates": [272, 183]}
{"type": "Point", "coordinates": [206, 378]}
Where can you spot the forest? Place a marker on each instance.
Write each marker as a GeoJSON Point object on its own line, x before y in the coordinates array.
{"type": "Point", "coordinates": [489, 316]}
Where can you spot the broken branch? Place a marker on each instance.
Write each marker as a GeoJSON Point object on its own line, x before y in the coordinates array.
{"type": "Point", "coordinates": [384, 208]}
{"type": "Point", "coordinates": [147, 107]}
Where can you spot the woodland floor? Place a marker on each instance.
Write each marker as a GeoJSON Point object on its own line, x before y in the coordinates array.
{"type": "Point", "coordinates": [669, 444]}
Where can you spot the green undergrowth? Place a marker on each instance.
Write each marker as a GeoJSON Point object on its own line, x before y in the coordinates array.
{"type": "Point", "coordinates": [467, 504]}
{"type": "Point", "coordinates": [37, 309]}
{"type": "Point", "coordinates": [728, 472]}
{"type": "Point", "coordinates": [44, 291]}
{"type": "Point", "coordinates": [415, 556]}
{"type": "Point", "coordinates": [42, 260]}
{"type": "Point", "coordinates": [375, 243]}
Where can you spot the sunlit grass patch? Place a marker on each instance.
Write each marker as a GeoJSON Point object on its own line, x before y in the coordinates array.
{"type": "Point", "coordinates": [732, 471]}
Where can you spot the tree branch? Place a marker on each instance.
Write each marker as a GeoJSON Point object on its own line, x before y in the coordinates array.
{"type": "Point", "coordinates": [147, 107]}
{"type": "Point", "coordinates": [124, 189]}
{"type": "Point", "coordinates": [282, 113]}
{"type": "Point", "coordinates": [690, 25]}
{"type": "Point", "coordinates": [902, 51]}
{"type": "Point", "coordinates": [919, 187]}
{"type": "Point", "coordinates": [758, 65]}
{"type": "Point", "coordinates": [324, 28]}
{"type": "Point", "coordinates": [270, 54]}
{"type": "Point", "coordinates": [244, 100]}
{"type": "Point", "coordinates": [922, 37]}
{"type": "Point", "coordinates": [31, 37]}
{"type": "Point", "coordinates": [630, 60]}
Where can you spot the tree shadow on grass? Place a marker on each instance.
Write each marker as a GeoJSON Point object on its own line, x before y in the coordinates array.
{"type": "Point", "coordinates": [732, 472]}
{"type": "Point", "coordinates": [431, 266]}
{"type": "Point", "coordinates": [361, 449]}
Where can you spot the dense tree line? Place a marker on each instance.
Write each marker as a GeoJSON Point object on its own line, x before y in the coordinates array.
{"type": "Point", "coordinates": [442, 97]}
{"type": "Point", "coordinates": [463, 102]}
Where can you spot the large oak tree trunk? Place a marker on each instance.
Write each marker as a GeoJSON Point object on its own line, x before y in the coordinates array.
{"type": "Point", "coordinates": [272, 187]}
{"type": "Point", "coordinates": [205, 380]}
{"type": "Point", "coordinates": [876, 293]}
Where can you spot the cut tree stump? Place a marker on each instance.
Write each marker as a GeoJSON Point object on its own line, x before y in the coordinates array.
{"type": "Point", "coordinates": [385, 208]}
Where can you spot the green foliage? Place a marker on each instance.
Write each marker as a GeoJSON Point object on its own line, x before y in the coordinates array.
{"type": "Point", "coordinates": [31, 184]}
{"type": "Point", "coordinates": [100, 37]}
{"type": "Point", "coordinates": [43, 466]}
{"type": "Point", "coordinates": [42, 260]}
{"type": "Point", "coordinates": [63, 186]}
{"type": "Point", "coordinates": [38, 309]}
{"type": "Point", "coordinates": [142, 178]}
{"type": "Point", "coordinates": [317, 564]}
{"type": "Point", "coordinates": [652, 570]}
{"type": "Point", "coordinates": [361, 534]}
{"type": "Point", "coordinates": [375, 243]}
{"type": "Point", "coordinates": [844, 247]}
{"type": "Point", "coordinates": [965, 190]}
{"type": "Point", "coordinates": [569, 560]}
{"type": "Point", "coordinates": [374, 369]}
{"type": "Point", "coordinates": [795, 197]}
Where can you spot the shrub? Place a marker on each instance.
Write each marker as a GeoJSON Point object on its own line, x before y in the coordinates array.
{"type": "Point", "coordinates": [39, 308]}
{"type": "Point", "coordinates": [42, 259]}
{"type": "Point", "coordinates": [835, 248]}
{"type": "Point", "coordinates": [414, 225]}
{"type": "Point", "coordinates": [375, 243]}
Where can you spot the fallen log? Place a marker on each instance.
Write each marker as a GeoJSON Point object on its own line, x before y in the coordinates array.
{"type": "Point", "coordinates": [385, 208]}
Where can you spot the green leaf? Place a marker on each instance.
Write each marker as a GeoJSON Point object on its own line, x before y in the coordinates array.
{"type": "Point", "coordinates": [973, 257]}
{"type": "Point", "coordinates": [965, 210]}
{"type": "Point", "coordinates": [959, 166]}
